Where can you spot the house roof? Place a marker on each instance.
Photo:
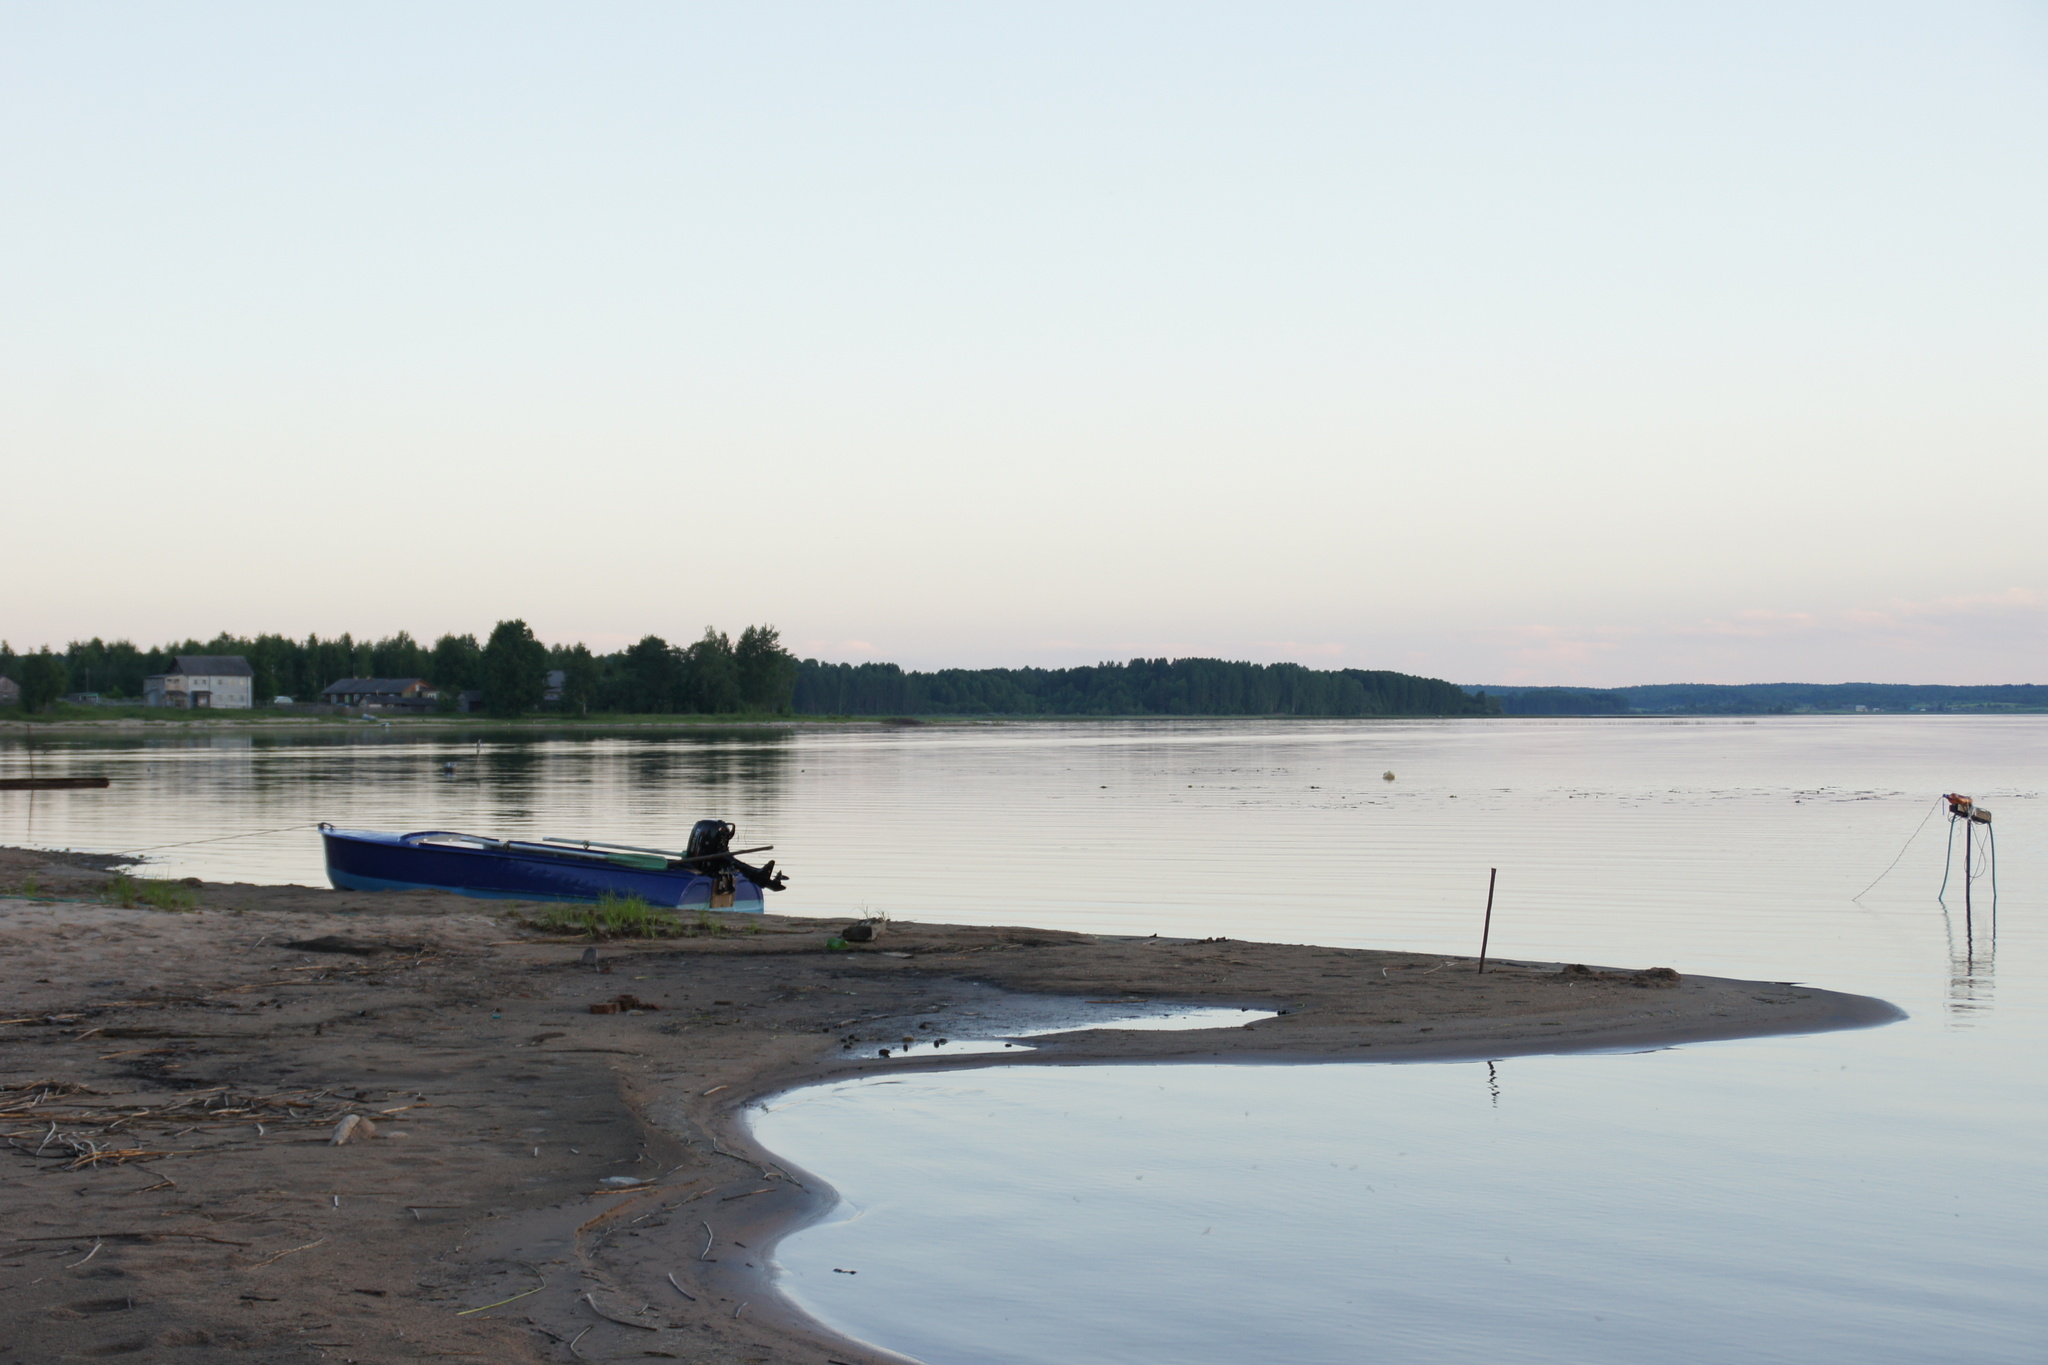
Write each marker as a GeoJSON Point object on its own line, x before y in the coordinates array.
{"type": "Point", "coordinates": [214, 665]}
{"type": "Point", "coordinates": [354, 687]}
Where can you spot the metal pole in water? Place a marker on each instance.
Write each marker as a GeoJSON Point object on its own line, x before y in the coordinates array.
{"type": "Point", "coordinates": [1487, 932]}
{"type": "Point", "coordinates": [1969, 843]}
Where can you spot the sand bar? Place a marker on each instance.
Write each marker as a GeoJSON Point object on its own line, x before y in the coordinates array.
{"type": "Point", "coordinates": [174, 1080]}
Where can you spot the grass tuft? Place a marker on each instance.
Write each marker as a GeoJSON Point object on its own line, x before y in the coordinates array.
{"type": "Point", "coordinates": [625, 917]}
{"type": "Point", "coordinates": [151, 893]}
{"type": "Point", "coordinates": [611, 917]}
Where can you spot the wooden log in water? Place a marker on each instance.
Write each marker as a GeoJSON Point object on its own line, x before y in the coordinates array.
{"type": "Point", "coordinates": [49, 784]}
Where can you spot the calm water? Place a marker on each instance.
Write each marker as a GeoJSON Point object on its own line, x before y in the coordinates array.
{"type": "Point", "coordinates": [1872, 1196]}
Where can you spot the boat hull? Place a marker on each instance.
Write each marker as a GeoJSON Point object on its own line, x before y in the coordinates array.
{"type": "Point", "coordinates": [367, 860]}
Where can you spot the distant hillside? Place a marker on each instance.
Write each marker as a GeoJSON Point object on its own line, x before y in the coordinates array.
{"type": "Point", "coordinates": [1763, 699]}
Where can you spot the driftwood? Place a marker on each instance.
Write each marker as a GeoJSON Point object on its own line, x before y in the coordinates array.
{"type": "Point", "coordinates": [597, 1308]}
{"type": "Point", "coordinates": [502, 1302]}
{"type": "Point", "coordinates": [125, 1236]}
{"type": "Point", "coordinates": [282, 1254]}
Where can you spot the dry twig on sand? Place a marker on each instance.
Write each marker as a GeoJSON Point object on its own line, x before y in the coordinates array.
{"type": "Point", "coordinates": [502, 1302]}
{"type": "Point", "coordinates": [282, 1254]}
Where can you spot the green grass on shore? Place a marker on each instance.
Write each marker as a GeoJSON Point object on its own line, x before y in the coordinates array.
{"type": "Point", "coordinates": [622, 917]}
{"type": "Point", "coordinates": [152, 893]}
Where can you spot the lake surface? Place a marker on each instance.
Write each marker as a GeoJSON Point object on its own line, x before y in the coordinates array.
{"type": "Point", "coordinates": [1877, 1196]}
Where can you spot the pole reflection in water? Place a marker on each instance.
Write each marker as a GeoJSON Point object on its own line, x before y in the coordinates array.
{"type": "Point", "coordinates": [1972, 959]}
{"type": "Point", "coordinates": [1972, 962]}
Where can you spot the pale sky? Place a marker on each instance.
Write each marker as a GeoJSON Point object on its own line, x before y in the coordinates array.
{"type": "Point", "coordinates": [1503, 342]}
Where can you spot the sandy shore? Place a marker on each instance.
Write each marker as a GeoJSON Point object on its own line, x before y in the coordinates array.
{"type": "Point", "coordinates": [172, 1081]}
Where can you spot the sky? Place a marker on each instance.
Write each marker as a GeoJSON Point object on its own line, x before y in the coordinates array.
{"type": "Point", "coordinates": [1578, 343]}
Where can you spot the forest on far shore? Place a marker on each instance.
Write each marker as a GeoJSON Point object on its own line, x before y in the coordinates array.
{"type": "Point", "coordinates": [1766, 699]}
{"type": "Point", "coordinates": [753, 674]}
{"type": "Point", "coordinates": [717, 674]}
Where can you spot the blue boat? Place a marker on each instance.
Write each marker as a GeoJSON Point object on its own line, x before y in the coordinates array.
{"type": "Point", "coordinates": [707, 875]}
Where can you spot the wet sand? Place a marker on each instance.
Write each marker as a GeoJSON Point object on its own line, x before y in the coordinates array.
{"type": "Point", "coordinates": [173, 1080]}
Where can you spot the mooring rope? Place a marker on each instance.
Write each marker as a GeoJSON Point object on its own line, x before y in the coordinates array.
{"type": "Point", "coordinates": [1902, 853]}
{"type": "Point", "coordinates": [221, 838]}
{"type": "Point", "coordinates": [1948, 861]}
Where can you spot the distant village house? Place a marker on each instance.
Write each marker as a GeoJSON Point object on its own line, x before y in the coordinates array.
{"type": "Point", "coordinates": [10, 691]}
{"type": "Point", "coordinates": [411, 693]}
{"type": "Point", "coordinates": [216, 681]}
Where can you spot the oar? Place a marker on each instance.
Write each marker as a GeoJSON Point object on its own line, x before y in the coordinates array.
{"type": "Point", "coordinates": [594, 844]}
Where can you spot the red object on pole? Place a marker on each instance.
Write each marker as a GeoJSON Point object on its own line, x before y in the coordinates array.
{"type": "Point", "coordinates": [1487, 932]}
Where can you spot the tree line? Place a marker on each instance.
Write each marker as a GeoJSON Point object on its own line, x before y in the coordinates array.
{"type": "Point", "coordinates": [753, 674]}
{"type": "Point", "coordinates": [713, 675]}
{"type": "Point", "coordinates": [1759, 699]}
{"type": "Point", "coordinates": [1141, 687]}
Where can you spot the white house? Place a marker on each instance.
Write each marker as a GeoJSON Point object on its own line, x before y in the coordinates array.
{"type": "Point", "coordinates": [203, 680]}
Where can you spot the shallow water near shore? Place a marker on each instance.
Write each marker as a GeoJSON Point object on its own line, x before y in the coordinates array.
{"type": "Point", "coordinates": [1871, 1195]}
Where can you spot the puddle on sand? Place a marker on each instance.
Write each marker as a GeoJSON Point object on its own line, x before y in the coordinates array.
{"type": "Point", "coordinates": [980, 1039]}
{"type": "Point", "coordinates": [952, 1047]}
{"type": "Point", "coordinates": [1221, 1016]}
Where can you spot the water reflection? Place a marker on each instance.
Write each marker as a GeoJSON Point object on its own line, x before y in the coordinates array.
{"type": "Point", "coordinates": [1778, 1200]}
{"type": "Point", "coordinates": [1972, 960]}
{"type": "Point", "coordinates": [209, 804]}
{"type": "Point", "coordinates": [510, 772]}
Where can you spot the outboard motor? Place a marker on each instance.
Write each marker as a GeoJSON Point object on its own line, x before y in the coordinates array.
{"type": "Point", "coordinates": [711, 842]}
{"type": "Point", "coordinates": [708, 838]}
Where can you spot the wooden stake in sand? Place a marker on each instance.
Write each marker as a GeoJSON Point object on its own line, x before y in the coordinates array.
{"type": "Point", "coordinates": [1487, 932]}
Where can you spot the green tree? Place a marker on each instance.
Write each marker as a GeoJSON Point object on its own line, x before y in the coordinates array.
{"type": "Point", "coordinates": [711, 677]}
{"type": "Point", "coordinates": [275, 662]}
{"type": "Point", "coordinates": [515, 670]}
{"type": "Point", "coordinates": [648, 679]}
{"type": "Point", "coordinates": [767, 671]}
{"type": "Point", "coordinates": [43, 679]}
{"type": "Point", "coordinates": [456, 663]}
{"type": "Point", "coordinates": [400, 656]}
{"type": "Point", "coordinates": [580, 674]}
{"type": "Point", "coordinates": [329, 661]}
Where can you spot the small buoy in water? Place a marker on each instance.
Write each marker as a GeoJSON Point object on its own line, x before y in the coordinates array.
{"type": "Point", "coordinates": [449, 767]}
{"type": "Point", "coordinates": [1387, 776]}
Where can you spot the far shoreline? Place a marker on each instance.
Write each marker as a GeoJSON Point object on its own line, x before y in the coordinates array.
{"type": "Point", "coordinates": [21, 728]}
